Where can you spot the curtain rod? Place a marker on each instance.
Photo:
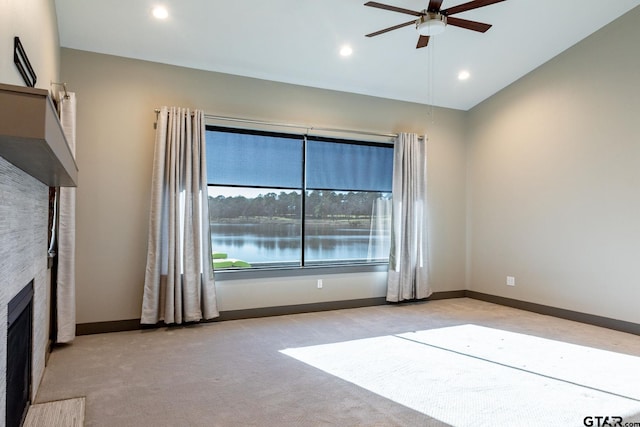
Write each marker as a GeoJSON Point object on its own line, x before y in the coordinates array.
{"type": "Point", "coordinates": [64, 85]}
{"type": "Point", "coordinates": [291, 125]}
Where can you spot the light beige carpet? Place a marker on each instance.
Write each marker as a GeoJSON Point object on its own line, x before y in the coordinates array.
{"type": "Point", "coordinates": [233, 374]}
{"type": "Point", "coordinates": [61, 413]}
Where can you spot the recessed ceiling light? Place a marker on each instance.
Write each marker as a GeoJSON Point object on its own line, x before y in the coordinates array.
{"type": "Point", "coordinates": [160, 12]}
{"type": "Point", "coordinates": [346, 50]}
{"type": "Point", "coordinates": [463, 75]}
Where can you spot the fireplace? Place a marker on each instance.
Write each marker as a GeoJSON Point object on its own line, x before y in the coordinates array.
{"type": "Point", "coordinates": [34, 155]}
{"type": "Point", "coordinates": [19, 344]}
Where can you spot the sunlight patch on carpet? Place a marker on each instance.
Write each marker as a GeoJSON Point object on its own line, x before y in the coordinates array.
{"type": "Point", "coordinates": [471, 375]}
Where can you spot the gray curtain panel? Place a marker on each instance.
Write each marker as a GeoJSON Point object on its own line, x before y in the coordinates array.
{"type": "Point", "coordinates": [66, 282]}
{"type": "Point", "coordinates": [408, 277]}
{"type": "Point", "coordinates": [179, 285]}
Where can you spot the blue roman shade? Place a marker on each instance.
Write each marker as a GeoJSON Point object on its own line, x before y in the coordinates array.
{"type": "Point", "coordinates": [348, 167]}
{"type": "Point", "coordinates": [250, 159]}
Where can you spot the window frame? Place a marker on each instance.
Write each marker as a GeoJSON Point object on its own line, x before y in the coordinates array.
{"type": "Point", "coordinates": [346, 266]}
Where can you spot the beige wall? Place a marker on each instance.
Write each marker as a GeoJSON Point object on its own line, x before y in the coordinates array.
{"type": "Point", "coordinates": [538, 182]}
{"type": "Point", "coordinates": [35, 22]}
{"type": "Point", "coordinates": [554, 181]}
{"type": "Point", "coordinates": [116, 99]}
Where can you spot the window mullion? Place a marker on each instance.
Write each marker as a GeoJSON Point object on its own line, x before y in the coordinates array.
{"type": "Point", "coordinates": [304, 201]}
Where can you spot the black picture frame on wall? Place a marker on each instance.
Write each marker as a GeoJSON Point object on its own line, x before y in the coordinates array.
{"type": "Point", "coordinates": [22, 62]}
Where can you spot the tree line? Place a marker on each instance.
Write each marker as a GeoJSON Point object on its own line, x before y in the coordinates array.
{"type": "Point", "coordinates": [319, 204]}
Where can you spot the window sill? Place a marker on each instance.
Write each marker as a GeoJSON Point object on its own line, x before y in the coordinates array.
{"type": "Point", "coordinates": [264, 273]}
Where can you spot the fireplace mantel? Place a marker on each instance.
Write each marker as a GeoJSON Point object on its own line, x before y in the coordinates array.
{"type": "Point", "coordinates": [31, 136]}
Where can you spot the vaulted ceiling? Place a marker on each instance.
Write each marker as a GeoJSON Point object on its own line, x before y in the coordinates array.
{"type": "Point", "coordinates": [298, 41]}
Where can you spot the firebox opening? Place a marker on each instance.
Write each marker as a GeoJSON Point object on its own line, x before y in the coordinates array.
{"type": "Point", "coordinates": [19, 344]}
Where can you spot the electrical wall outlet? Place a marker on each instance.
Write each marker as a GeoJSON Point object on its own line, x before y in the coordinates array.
{"type": "Point", "coordinates": [319, 283]}
{"type": "Point", "coordinates": [511, 281]}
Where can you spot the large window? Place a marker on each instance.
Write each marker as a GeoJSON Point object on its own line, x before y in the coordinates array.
{"type": "Point", "coordinates": [281, 200]}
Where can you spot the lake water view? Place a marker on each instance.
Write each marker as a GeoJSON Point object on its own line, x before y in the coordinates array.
{"type": "Point", "coordinates": [263, 244]}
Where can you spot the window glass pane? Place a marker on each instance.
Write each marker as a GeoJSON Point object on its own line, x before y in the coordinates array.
{"type": "Point", "coordinates": [346, 227]}
{"type": "Point", "coordinates": [348, 167]}
{"type": "Point", "coordinates": [265, 160]}
{"type": "Point", "coordinates": [260, 181]}
{"type": "Point", "coordinates": [253, 227]}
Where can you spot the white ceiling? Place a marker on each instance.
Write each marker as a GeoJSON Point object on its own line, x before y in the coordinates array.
{"type": "Point", "coordinates": [297, 41]}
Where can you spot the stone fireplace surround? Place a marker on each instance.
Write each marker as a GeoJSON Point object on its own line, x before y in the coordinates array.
{"type": "Point", "coordinates": [24, 203]}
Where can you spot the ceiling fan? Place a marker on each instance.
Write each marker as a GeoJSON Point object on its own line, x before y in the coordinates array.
{"type": "Point", "coordinates": [433, 20]}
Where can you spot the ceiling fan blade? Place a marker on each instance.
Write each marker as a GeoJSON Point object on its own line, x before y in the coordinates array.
{"type": "Point", "coordinates": [468, 6]}
{"type": "Point", "coordinates": [469, 25]}
{"type": "Point", "coordinates": [392, 8]}
{"type": "Point", "coordinates": [423, 41]}
{"type": "Point", "coordinates": [434, 6]}
{"type": "Point", "coordinates": [395, 27]}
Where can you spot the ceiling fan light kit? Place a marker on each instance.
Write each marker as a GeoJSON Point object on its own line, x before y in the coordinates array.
{"type": "Point", "coordinates": [431, 24]}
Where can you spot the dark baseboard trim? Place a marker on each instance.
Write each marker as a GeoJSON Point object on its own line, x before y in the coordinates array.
{"type": "Point", "coordinates": [104, 327]}
{"type": "Point", "coordinates": [590, 319]}
{"type": "Point", "coordinates": [134, 324]}
{"type": "Point", "coordinates": [447, 295]}
{"type": "Point", "coordinates": [298, 309]}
